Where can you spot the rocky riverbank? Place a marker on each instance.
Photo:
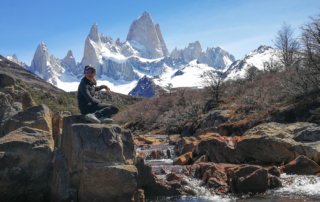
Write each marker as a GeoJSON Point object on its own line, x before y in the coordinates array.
{"type": "Point", "coordinates": [211, 165]}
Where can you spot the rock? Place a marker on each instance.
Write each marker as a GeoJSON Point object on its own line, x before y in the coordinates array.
{"type": "Point", "coordinates": [249, 179]}
{"type": "Point", "coordinates": [139, 196]}
{"type": "Point", "coordinates": [107, 183]}
{"type": "Point", "coordinates": [173, 139]}
{"type": "Point", "coordinates": [154, 186]}
{"type": "Point", "coordinates": [201, 159]}
{"type": "Point", "coordinates": [274, 171]}
{"type": "Point", "coordinates": [35, 117]}
{"type": "Point", "coordinates": [173, 177]}
{"type": "Point", "coordinates": [188, 144]}
{"type": "Point", "coordinates": [142, 140]}
{"type": "Point", "coordinates": [66, 139]}
{"type": "Point", "coordinates": [280, 130]}
{"type": "Point", "coordinates": [216, 177]}
{"type": "Point", "coordinates": [109, 144]}
{"type": "Point", "coordinates": [6, 80]}
{"type": "Point", "coordinates": [250, 149]}
{"type": "Point", "coordinates": [302, 166]}
{"type": "Point", "coordinates": [265, 146]}
{"type": "Point", "coordinates": [60, 186]}
{"type": "Point", "coordinates": [7, 109]}
{"type": "Point", "coordinates": [57, 125]}
{"type": "Point", "coordinates": [236, 178]}
{"type": "Point", "coordinates": [156, 154]}
{"type": "Point", "coordinates": [98, 162]}
{"type": "Point", "coordinates": [310, 134]}
{"type": "Point", "coordinates": [184, 159]}
{"type": "Point", "coordinates": [25, 162]}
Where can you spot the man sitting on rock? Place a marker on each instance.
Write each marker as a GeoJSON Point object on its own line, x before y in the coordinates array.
{"type": "Point", "coordinates": [93, 110]}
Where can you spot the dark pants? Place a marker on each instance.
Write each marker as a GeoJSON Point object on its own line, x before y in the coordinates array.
{"type": "Point", "coordinates": [100, 110]}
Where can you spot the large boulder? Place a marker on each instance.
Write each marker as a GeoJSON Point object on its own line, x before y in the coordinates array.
{"type": "Point", "coordinates": [66, 137]}
{"type": "Point", "coordinates": [61, 189]}
{"type": "Point", "coordinates": [6, 80]}
{"type": "Point", "coordinates": [252, 179]}
{"type": "Point", "coordinates": [35, 117]}
{"type": "Point", "coordinates": [99, 182]}
{"type": "Point", "coordinates": [14, 98]}
{"type": "Point", "coordinates": [265, 144]}
{"type": "Point", "coordinates": [25, 162]}
{"type": "Point", "coordinates": [96, 143]}
{"type": "Point", "coordinates": [8, 108]}
{"type": "Point", "coordinates": [310, 134]}
{"type": "Point", "coordinates": [236, 178]}
{"type": "Point", "coordinates": [280, 130]}
{"type": "Point", "coordinates": [302, 166]}
{"type": "Point", "coordinates": [97, 160]}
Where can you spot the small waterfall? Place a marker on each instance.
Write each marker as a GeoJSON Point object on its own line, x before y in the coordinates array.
{"type": "Point", "coordinates": [161, 157]}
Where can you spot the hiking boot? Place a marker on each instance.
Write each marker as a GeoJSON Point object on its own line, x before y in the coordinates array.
{"type": "Point", "coordinates": [92, 118]}
{"type": "Point", "coordinates": [106, 120]}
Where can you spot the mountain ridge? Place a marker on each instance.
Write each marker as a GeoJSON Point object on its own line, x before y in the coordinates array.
{"type": "Point", "coordinates": [144, 53]}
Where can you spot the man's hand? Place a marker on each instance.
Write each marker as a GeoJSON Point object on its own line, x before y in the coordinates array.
{"type": "Point", "coordinates": [106, 88]}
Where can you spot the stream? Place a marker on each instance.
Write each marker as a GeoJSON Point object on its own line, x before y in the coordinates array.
{"type": "Point", "coordinates": [295, 188]}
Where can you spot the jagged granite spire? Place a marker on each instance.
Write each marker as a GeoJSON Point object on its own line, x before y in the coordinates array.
{"type": "Point", "coordinates": [163, 44]}
{"type": "Point", "coordinates": [40, 59]}
{"type": "Point", "coordinates": [90, 56]}
{"type": "Point", "coordinates": [46, 65]}
{"type": "Point", "coordinates": [146, 38]}
{"type": "Point", "coordinates": [69, 63]}
{"type": "Point", "coordinates": [94, 34]}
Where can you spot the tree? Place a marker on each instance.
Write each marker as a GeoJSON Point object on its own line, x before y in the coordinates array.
{"type": "Point", "coordinates": [252, 73]}
{"type": "Point", "coordinates": [288, 45]}
{"type": "Point", "coordinates": [311, 51]}
{"type": "Point", "coordinates": [213, 82]}
{"type": "Point", "coordinates": [169, 88]}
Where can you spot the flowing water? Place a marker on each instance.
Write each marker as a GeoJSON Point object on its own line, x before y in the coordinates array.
{"type": "Point", "coordinates": [295, 188]}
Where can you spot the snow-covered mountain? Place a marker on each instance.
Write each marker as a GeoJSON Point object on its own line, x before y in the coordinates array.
{"type": "Point", "coordinates": [257, 58]}
{"type": "Point", "coordinates": [142, 59]}
{"type": "Point", "coordinates": [146, 38]}
{"type": "Point", "coordinates": [46, 65]}
{"type": "Point", "coordinates": [214, 57]}
{"type": "Point", "coordinates": [144, 88]}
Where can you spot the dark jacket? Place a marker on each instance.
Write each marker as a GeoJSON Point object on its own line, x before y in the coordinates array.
{"type": "Point", "coordinates": [86, 91]}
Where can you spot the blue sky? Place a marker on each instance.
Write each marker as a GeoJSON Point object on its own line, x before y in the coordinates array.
{"type": "Point", "coordinates": [238, 26]}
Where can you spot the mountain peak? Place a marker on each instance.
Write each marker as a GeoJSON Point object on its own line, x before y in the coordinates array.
{"type": "Point", "coordinates": [146, 38]}
{"type": "Point", "coordinates": [262, 48]}
{"type": "Point", "coordinates": [94, 33]}
{"type": "Point", "coordinates": [69, 54]}
{"type": "Point", "coordinates": [145, 15]}
{"type": "Point", "coordinates": [42, 47]}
